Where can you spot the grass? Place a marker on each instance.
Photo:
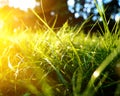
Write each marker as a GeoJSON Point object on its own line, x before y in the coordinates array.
{"type": "Point", "coordinates": [45, 63]}
{"type": "Point", "coordinates": [68, 62]}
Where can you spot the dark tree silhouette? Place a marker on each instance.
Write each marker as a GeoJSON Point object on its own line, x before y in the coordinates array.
{"type": "Point", "coordinates": [50, 10]}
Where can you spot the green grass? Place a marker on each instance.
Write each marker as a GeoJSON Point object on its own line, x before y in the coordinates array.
{"type": "Point", "coordinates": [62, 63]}
{"type": "Point", "coordinates": [68, 62]}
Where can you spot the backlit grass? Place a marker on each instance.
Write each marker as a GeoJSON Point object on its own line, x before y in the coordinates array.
{"type": "Point", "coordinates": [66, 62]}
{"type": "Point", "coordinates": [48, 63]}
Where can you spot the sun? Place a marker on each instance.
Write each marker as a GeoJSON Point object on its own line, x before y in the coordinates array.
{"type": "Point", "coordinates": [23, 4]}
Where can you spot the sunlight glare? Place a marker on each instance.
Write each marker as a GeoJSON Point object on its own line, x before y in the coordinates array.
{"type": "Point", "coordinates": [117, 17]}
{"type": "Point", "coordinates": [3, 3]}
{"type": "Point", "coordinates": [96, 74]}
{"type": "Point", "coordinates": [23, 4]}
{"type": "Point", "coordinates": [1, 23]}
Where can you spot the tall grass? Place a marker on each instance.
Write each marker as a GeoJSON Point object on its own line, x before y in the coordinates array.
{"type": "Point", "coordinates": [63, 63]}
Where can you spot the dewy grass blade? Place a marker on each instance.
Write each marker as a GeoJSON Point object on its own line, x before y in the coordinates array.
{"type": "Point", "coordinates": [10, 65]}
{"type": "Point", "coordinates": [50, 29]}
{"type": "Point", "coordinates": [80, 28]}
{"type": "Point", "coordinates": [77, 82]}
{"type": "Point", "coordinates": [101, 10]}
{"type": "Point", "coordinates": [77, 56]}
{"type": "Point", "coordinates": [58, 72]}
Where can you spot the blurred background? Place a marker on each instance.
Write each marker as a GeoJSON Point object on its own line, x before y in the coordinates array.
{"type": "Point", "coordinates": [16, 13]}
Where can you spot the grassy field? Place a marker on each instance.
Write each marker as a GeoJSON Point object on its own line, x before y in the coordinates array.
{"type": "Point", "coordinates": [62, 62]}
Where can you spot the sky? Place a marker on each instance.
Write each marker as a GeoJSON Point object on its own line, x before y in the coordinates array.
{"type": "Point", "coordinates": [3, 2]}
{"type": "Point", "coordinates": [22, 4]}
